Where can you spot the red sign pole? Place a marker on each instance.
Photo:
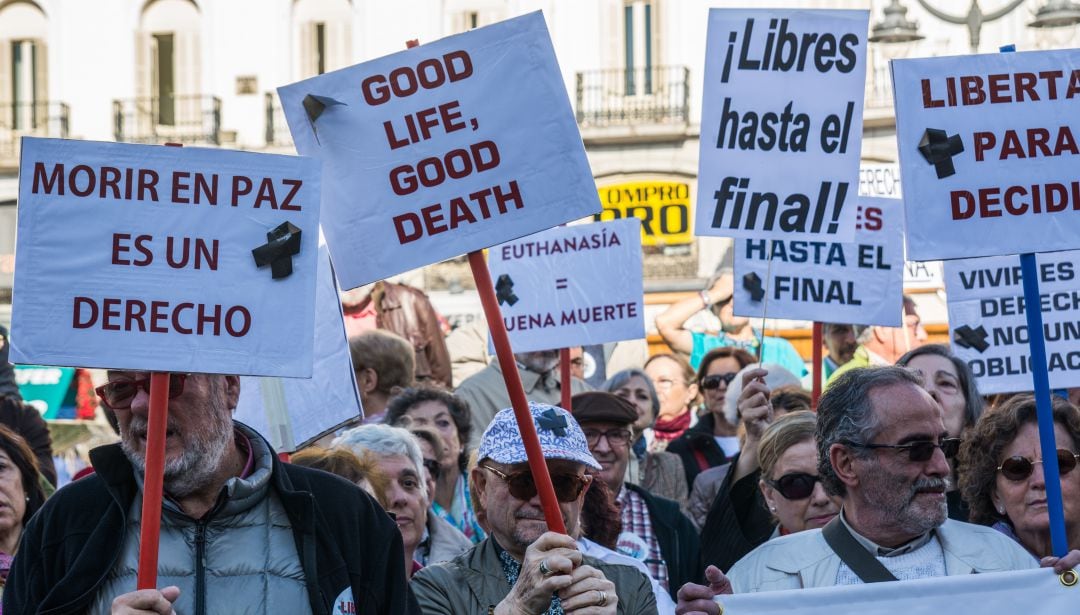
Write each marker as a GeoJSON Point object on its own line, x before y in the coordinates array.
{"type": "Point", "coordinates": [153, 478]}
{"type": "Point", "coordinates": [818, 370]}
{"type": "Point", "coordinates": [517, 392]}
{"type": "Point", "coordinates": [565, 377]}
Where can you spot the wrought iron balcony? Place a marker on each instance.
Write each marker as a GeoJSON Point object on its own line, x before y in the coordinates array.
{"type": "Point", "coordinates": [193, 119]}
{"type": "Point", "coordinates": [30, 119]}
{"type": "Point", "coordinates": [622, 97]}
{"type": "Point", "coordinates": [277, 129]}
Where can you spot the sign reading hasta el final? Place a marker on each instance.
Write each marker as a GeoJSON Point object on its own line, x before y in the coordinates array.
{"type": "Point", "coordinates": [781, 124]}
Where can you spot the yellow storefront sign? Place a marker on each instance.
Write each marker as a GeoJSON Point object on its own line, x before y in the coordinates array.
{"type": "Point", "coordinates": [662, 206]}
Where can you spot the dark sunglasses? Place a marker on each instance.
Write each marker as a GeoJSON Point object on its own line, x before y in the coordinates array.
{"type": "Point", "coordinates": [568, 487]}
{"type": "Point", "coordinates": [919, 451]}
{"type": "Point", "coordinates": [713, 382]}
{"type": "Point", "coordinates": [1018, 468]}
{"type": "Point", "coordinates": [117, 394]}
{"type": "Point", "coordinates": [795, 486]}
{"type": "Point", "coordinates": [433, 468]}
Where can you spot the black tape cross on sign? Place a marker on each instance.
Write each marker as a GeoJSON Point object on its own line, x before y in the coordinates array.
{"type": "Point", "coordinates": [752, 283]}
{"type": "Point", "coordinates": [967, 337]}
{"type": "Point", "coordinates": [938, 148]}
{"type": "Point", "coordinates": [504, 290]}
{"type": "Point", "coordinates": [281, 245]}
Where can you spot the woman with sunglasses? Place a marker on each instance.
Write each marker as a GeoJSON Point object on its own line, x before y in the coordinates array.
{"type": "Point", "coordinates": [1001, 472]}
{"type": "Point", "coordinates": [789, 477]}
{"type": "Point", "coordinates": [713, 440]}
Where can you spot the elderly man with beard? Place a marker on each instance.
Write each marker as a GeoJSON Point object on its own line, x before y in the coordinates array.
{"type": "Point", "coordinates": [882, 447]}
{"type": "Point", "coordinates": [485, 391]}
{"type": "Point", "coordinates": [240, 531]}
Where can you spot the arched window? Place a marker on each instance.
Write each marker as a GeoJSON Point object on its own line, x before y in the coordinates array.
{"type": "Point", "coordinates": [24, 78]}
{"type": "Point", "coordinates": [168, 63]}
{"type": "Point", "coordinates": [323, 31]}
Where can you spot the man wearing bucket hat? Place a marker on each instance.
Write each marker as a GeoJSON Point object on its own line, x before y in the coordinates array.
{"type": "Point", "coordinates": [654, 530]}
{"type": "Point", "coordinates": [521, 567]}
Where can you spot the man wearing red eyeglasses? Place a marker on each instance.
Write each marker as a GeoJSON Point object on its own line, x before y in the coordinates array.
{"type": "Point", "coordinates": [240, 531]}
{"type": "Point", "coordinates": [521, 567]}
{"type": "Point", "coordinates": [883, 448]}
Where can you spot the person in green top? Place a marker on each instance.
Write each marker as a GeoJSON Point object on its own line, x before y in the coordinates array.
{"type": "Point", "coordinates": [734, 330]}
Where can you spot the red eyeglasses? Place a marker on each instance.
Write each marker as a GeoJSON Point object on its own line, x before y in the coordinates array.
{"type": "Point", "coordinates": [117, 394]}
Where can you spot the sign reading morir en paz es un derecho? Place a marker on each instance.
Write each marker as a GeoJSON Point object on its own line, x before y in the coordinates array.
{"type": "Point", "coordinates": [781, 124]}
{"type": "Point", "coordinates": [571, 286]}
{"type": "Point", "coordinates": [446, 148]}
{"type": "Point", "coordinates": [988, 320]}
{"type": "Point", "coordinates": [827, 281]}
{"type": "Point", "coordinates": [164, 258]}
{"type": "Point", "coordinates": [989, 153]}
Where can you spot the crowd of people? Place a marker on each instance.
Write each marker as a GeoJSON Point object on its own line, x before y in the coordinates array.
{"type": "Point", "coordinates": [702, 471]}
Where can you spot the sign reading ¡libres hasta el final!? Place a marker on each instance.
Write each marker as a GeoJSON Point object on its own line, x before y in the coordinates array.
{"type": "Point", "coordinates": [781, 124]}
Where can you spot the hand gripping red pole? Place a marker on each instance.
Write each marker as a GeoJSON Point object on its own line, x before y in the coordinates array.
{"type": "Point", "coordinates": [499, 338]}
{"type": "Point", "coordinates": [153, 478]}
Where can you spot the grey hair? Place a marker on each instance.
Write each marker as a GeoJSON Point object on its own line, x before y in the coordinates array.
{"type": "Point", "coordinates": [621, 378]}
{"type": "Point", "coordinates": [846, 414]}
{"type": "Point", "coordinates": [383, 441]}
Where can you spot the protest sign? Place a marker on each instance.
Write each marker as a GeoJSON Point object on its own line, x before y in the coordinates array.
{"type": "Point", "coordinates": [166, 259]}
{"type": "Point", "coordinates": [997, 592]}
{"type": "Point", "coordinates": [571, 286]}
{"type": "Point", "coordinates": [988, 149]}
{"type": "Point", "coordinates": [781, 124]}
{"type": "Point", "coordinates": [827, 281]}
{"type": "Point", "coordinates": [292, 412]}
{"type": "Point", "coordinates": [442, 149]}
{"type": "Point", "coordinates": [663, 206]}
{"type": "Point", "coordinates": [989, 326]}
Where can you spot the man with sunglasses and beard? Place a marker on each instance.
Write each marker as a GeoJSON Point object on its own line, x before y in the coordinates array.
{"type": "Point", "coordinates": [883, 448]}
{"type": "Point", "coordinates": [521, 567]}
{"type": "Point", "coordinates": [240, 531]}
{"type": "Point", "coordinates": [654, 530]}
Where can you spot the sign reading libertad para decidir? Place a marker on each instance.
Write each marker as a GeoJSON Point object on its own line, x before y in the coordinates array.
{"type": "Point", "coordinates": [827, 281]}
{"type": "Point", "coordinates": [166, 259]}
{"type": "Point", "coordinates": [571, 286]}
{"type": "Point", "coordinates": [781, 124]}
{"type": "Point", "coordinates": [988, 323]}
{"type": "Point", "coordinates": [443, 149]}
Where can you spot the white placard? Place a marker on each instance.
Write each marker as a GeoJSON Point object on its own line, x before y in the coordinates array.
{"type": "Point", "coordinates": [1024, 591]}
{"type": "Point", "coordinates": [571, 286]}
{"type": "Point", "coordinates": [447, 148]}
{"type": "Point", "coordinates": [781, 124]}
{"type": "Point", "coordinates": [823, 281]}
{"type": "Point", "coordinates": [141, 257]}
{"type": "Point", "coordinates": [989, 148]}
{"type": "Point", "coordinates": [988, 325]}
{"type": "Point", "coordinates": [292, 412]}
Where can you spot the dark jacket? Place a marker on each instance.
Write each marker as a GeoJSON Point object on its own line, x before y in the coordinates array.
{"type": "Point", "coordinates": [25, 420]}
{"type": "Point", "coordinates": [677, 537]}
{"type": "Point", "coordinates": [738, 521]}
{"type": "Point", "coordinates": [344, 540]}
{"type": "Point", "coordinates": [697, 448]}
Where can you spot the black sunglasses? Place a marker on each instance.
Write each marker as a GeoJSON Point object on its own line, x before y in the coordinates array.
{"type": "Point", "coordinates": [568, 487]}
{"type": "Point", "coordinates": [433, 468]}
{"type": "Point", "coordinates": [713, 382]}
{"type": "Point", "coordinates": [1018, 467]}
{"type": "Point", "coordinates": [117, 394]}
{"type": "Point", "coordinates": [795, 486]}
{"type": "Point", "coordinates": [919, 451]}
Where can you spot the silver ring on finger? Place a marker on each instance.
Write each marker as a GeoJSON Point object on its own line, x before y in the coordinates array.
{"type": "Point", "coordinates": [601, 599]}
{"type": "Point", "coordinates": [544, 570]}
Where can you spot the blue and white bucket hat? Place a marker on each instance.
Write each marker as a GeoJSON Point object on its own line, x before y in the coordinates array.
{"type": "Point", "coordinates": [560, 437]}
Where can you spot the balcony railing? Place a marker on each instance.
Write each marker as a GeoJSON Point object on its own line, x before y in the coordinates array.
{"type": "Point", "coordinates": [189, 119]}
{"type": "Point", "coordinates": [277, 129]}
{"type": "Point", "coordinates": [620, 97]}
{"type": "Point", "coordinates": [30, 119]}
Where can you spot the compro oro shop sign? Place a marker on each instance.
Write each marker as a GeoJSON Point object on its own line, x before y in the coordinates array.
{"type": "Point", "coordinates": [662, 206]}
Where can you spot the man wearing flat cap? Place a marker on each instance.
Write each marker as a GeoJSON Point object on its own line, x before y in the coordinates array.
{"type": "Point", "coordinates": [654, 530]}
{"type": "Point", "coordinates": [521, 567]}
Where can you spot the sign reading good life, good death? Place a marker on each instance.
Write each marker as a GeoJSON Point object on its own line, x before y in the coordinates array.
{"type": "Point", "coordinates": [781, 124]}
